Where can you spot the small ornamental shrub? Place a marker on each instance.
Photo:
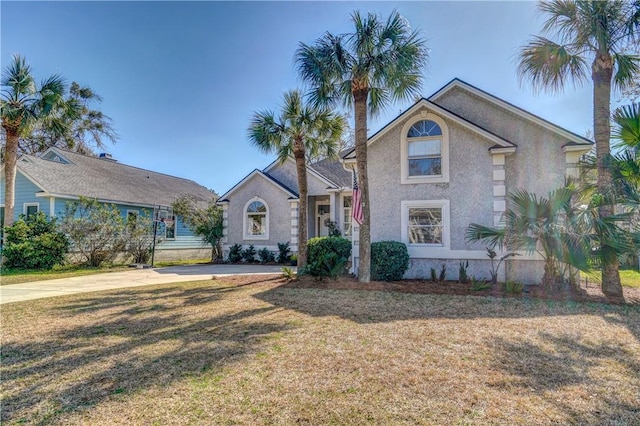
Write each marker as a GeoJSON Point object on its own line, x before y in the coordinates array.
{"type": "Point", "coordinates": [389, 260]}
{"type": "Point", "coordinates": [479, 285]}
{"type": "Point", "coordinates": [317, 247]}
{"type": "Point", "coordinates": [434, 275]}
{"type": "Point", "coordinates": [294, 260]}
{"type": "Point", "coordinates": [284, 252]}
{"type": "Point", "coordinates": [288, 273]}
{"type": "Point", "coordinates": [265, 255]}
{"type": "Point", "coordinates": [327, 256]}
{"type": "Point", "coordinates": [513, 287]}
{"type": "Point", "coordinates": [235, 253]}
{"type": "Point", "coordinates": [463, 277]}
{"type": "Point", "coordinates": [443, 273]}
{"type": "Point", "coordinates": [249, 254]}
{"type": "Point", "coordinates": [34, 242]}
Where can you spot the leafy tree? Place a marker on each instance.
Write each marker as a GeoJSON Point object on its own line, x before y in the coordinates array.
{"type": "Point", "coordinates": [139, 237]}
{"type": "Point", "coordinates": [34, 242]}
{"type": "Point", "coordinates": [379, 62]}
{"type": "Point", "coordinates": [22, 104]}
{"type": "Point", "coordinates": [301, 131]}
{"type": "Point", "coordinates": [204, 220]}
{"type": "Point", "coordinates": [97, 231]}
{"type": "Point", "coordinates": [592, 40]}
{"type": "Point", "coordinates": [77, 126]}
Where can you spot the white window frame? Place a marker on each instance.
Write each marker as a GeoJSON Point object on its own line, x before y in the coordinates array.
{"type": "Point", "coordinates": [426, 250]}
{"type": "Point", "coordinates": [26, 205]}
{"type": "Point", "coordinates": [246, 236]}
{"type": "Point", "coordinates": [444, 151]}
{"type": "Point", "coordinates": [342, 212]}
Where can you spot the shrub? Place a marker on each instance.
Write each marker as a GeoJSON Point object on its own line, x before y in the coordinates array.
{"type": "Point", "coordinates": [389, 260]}
{"type": "Point", "coordinates": [34, 243]}
{"type": "Point", "coordinates": [139, 236]}
{"type": "Point", "coordinates": [249, 254]}
{"type": "Point", "coordinates": [434, 275]}
{"type": "Point", "coordinates": [327, 256]}
{"type": "Point", "coordinates": [479, 285]}
{"type": "Point", "coordinates": [284, 252]}
{"type": "Point", "coordinates": [333, 229]}
{"type": "Point", "coordinates": [235, 253]}
{"type": "Point", "coordinates": [326, 265]}
{"type": "Point", "coordinates": [96, 230]}
{"type": "Point", "coordinates": [443, 273]}
{"type": "Point", "coordinates": [288, 274]}
{"type": "Point", "coordinates": [462, 273]}
{"type": "Point", "coordinates": [513, 287]}
{"type": "Point", "coordinates": [265, 255]}
{"type": "Point", "coordinates": [294, 259]}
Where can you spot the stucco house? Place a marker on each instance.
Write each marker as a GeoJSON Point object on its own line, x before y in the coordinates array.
{"type": "Point", "coordinates": [447, 161]}
{"type": "Point", "coordinates": [48, 181]}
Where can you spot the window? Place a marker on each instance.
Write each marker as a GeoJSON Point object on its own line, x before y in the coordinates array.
{"type": "Point", "coordinates": [346, 215]}
{"type": "Point", "coordinates": [30, 208]}
{"type": "Point", "coordinates": [256, 220]}
{"type": "Point", "coordinates": [425, 151]}
{"type": "Point", "coordinates": [170, 228]}
{"type": "Point", "coordinates": [425, 225]}
{"type": "Point", "coordinates": [132, 217]}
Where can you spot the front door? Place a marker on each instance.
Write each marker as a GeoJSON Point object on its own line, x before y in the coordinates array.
{"type": "Point", "coordinates": [322, 218]}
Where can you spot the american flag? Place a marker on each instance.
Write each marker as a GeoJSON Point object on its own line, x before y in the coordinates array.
{"type": "Point", "coordinates": [358, 215]}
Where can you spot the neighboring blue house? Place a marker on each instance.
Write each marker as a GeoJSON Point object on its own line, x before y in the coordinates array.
{"type": "Point", "coordinates": [49, 181]}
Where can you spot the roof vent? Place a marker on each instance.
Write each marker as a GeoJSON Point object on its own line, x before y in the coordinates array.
{"type": "Point", "coordinates": [107, 156]}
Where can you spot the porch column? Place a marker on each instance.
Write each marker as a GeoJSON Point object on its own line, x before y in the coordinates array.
{"type": "Point", "coordinates": [293, 204]}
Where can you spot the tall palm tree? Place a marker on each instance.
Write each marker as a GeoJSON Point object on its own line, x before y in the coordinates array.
{"type": "Point", "coordinates": [21, 105]}
{"type": "Point", "coordinates": [302, 131]}
{"type": "Point", "coordinates": [377, 63]}
{"type": "Point", "coordinates": [593, 34]}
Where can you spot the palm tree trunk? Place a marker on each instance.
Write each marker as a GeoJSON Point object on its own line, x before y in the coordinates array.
{"type": "Point", "coordinates": [10, 166]}
{"type": "Point", "coordinates": [301, 168]}
{"type": "Point", "coordinates": [364, 243]}
{"type": "Point", "coordinates": [602, 71]}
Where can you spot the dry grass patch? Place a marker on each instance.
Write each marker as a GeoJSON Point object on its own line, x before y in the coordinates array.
{"type": "Point", "coordinates": [249, 351]}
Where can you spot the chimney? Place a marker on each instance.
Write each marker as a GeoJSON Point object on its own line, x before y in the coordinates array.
{"type": "Point", "coordinates": [107, 156]}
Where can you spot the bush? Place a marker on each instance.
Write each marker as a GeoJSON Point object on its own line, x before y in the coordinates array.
{"type": "Point", "coordinates": [265, 255]}
{"type": "Point", "coordinates": [389, 260]}
{"type": "Point", "coordinates": [139, 236]}
{"type": "Point", "coordinates": [284, 252]}
{"type": "Point", "coordinates": [34, 243]}
{"type": "Point", "coordinates": [249, 254]}
{"type": "Point", "coordinates": [513, 287]}
{"type": "Point", "coordinates": [235, 253]}
{"type": "Point", "coordinates": [479, 285]}
{"type": "Point", "coordinates": [327, 256]}
{"type": "Point", "coordinates": [463, 277]}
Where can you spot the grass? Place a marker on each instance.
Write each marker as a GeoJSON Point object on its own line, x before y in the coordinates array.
{"type": "Point", "coordinates": [224, 352]}
{"type": "Point", "coordinates": [18, 276]}
{"type": "Point", "coordinates": [628, 278]}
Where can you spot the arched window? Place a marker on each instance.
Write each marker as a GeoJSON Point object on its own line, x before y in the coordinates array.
{"type": "Point", "coordinates": [425, 149]}
{"type": "Point", "coordinates": [256, 220]}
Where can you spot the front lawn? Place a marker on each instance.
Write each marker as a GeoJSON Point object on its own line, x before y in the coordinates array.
{"type": "Point", "coordinates": [249, 351]}
{"type": "Point", "coordinates": [630, 278]}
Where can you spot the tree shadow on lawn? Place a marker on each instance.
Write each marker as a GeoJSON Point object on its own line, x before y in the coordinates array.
{"type": "Point", "coordinates": [139, 343]}
{"type": "Point", "coordinates": [564, 361]}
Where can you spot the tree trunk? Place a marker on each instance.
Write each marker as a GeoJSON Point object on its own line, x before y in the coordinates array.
{"type": "Point", "coordinates": [602, 71]}
{"type": "Point", "coordinates": [364, 243]}
{"type": "Point", "coordinates": [10, 165]}
{"type": "Point", "coordinates": [303, 223]}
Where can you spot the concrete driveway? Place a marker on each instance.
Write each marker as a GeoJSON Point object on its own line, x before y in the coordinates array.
{"type": "Point", "coordinates": [125, 279]}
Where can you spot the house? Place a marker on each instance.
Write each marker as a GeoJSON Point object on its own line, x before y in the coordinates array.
{"type": "Point", "coordinates": [47, 182]}
{"type": "Point", "coordinates": [447, 161]}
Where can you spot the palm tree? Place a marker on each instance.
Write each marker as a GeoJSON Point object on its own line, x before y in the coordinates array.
{"type": "Point", "coordinates": [21, 105]}
{"type": "Point", "coordinates": [367, 69]}
{"type": "Point", "coordinates": [595, 34]}
{"type": "Point", "coordinates": [302, 131]}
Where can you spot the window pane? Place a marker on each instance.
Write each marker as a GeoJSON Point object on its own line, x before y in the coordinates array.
{"type": "Point", "coordinates": [425, 216]}
{"type": "Point", "coordinates": [257, 207]}
{"type": "Point", "coordinates": [425, 225]}
{"type": "Point", "coordinates": [346, 201]}
{"type": "Point", "coordinates": [425, 234]}
{"type": "Point", "coordinates": [424, 148]}
{"type": "Point", "coordinates": [257, 224]}
{"type": "Point", "coordinates": [170, 230]}
{"type": "Point", "coordinates": [425, 167]}
{"type": "Point", "coordinates": [424, 128]}
{"type": "Point", "coordinates": [32, 210]}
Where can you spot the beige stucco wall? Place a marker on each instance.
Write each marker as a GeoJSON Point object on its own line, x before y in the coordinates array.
{"type": "Point", "coordinates": [470, 186]}
{"type": "Point", "coordinates": [288, 175]}
{"type": "Point", "coordinates": [279, 213]}
{"type": "Point", "coordinates": [539, 163]}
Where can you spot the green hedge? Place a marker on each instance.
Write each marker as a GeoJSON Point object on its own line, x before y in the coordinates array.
{"type": "Point", "coordinates": [389, 260]}
{"type": "Point", "coordinates": [327, 256]}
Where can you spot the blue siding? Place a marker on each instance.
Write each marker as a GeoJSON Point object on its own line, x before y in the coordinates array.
{"type": "Point", "coordinates": [25, 193]}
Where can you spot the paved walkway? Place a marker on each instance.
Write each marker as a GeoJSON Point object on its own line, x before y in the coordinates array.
{"type": "Point", "coordinates": [131, 278]}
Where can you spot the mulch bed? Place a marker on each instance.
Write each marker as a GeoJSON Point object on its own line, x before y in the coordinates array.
{"type": "Point", "coordinates": [586, 292]}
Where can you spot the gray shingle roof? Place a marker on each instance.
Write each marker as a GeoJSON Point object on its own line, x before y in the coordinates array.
{"type": "Point", "coordinates": [108, 180]}
{"type": "Point", "coordinates": [333, 170]}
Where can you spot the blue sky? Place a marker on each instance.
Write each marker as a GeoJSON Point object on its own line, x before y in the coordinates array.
{"type": "Point", "coordinates": [181, 79]}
